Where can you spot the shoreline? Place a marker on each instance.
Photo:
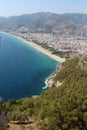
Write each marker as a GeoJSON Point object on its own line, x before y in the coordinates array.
{"type": "Point", "coordinates": [48, 81]}
{"type": "Point", "coordinates": [45, 52]}
{"type": "Point", "coordinates": [39, 48]}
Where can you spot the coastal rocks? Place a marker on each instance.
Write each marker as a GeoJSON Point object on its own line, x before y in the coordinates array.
{"type": "Point", "coordinates": [50, 82]}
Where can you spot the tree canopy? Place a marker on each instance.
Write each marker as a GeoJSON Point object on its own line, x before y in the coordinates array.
{"type": "Point", "coordinates": [59, 108]}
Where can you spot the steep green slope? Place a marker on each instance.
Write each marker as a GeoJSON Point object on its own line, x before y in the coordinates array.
{"type": "Point", "coordinates": [62, 108]}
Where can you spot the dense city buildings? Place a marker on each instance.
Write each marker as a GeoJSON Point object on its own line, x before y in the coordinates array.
{"type": "Point", "coordinates": [73, 44]}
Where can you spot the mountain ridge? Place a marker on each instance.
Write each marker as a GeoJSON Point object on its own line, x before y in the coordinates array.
{"type": "Point", "coordinates": [44, 22]}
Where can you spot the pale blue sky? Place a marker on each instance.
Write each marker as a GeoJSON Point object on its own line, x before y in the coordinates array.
{"type": "Point", "coordinates": [18, 7]}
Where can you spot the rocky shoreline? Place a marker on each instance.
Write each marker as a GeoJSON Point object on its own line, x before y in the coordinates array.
{"type": "Point", "coordinates": [49, 80]}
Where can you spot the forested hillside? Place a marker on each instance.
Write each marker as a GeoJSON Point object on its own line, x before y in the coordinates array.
{"type": "Point", "coordinates": [59, 108]}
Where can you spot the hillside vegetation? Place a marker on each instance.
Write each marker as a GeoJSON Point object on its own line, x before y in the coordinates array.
{"type": "Point", "coordinates": [59, 108]}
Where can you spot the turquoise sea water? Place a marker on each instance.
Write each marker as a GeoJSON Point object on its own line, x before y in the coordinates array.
{"type": "Point", "coordinates": [23, 69]}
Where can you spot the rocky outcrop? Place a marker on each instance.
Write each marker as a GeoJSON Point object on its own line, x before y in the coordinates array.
{"type": "Point", "coordinates": [2, 121]}
{"type": "Point", "coordinates": [83, 64]}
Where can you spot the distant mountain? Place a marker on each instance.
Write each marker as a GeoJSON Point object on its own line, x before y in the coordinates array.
{"type": "Point", "coordinates": [44, 22]}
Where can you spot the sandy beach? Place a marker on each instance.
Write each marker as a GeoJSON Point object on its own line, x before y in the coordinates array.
{"type": "Point", "coordinates": [41, 49]}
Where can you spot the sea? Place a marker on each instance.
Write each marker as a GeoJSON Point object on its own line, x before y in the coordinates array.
{"type": "Point", "coordinates": [23, 69]}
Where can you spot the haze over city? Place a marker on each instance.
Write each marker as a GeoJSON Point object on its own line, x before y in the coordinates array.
{"type": "Point", "coordinates": [19, 7]}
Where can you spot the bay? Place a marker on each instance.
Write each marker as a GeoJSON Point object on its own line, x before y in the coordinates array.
{"type": "Point", "coordinates": [23, 69]}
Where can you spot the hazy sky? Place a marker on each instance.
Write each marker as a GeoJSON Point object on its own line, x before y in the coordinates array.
{"type": "Point", "coordinates": [18, 7]}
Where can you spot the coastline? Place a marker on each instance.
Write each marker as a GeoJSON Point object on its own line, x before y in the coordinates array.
{"type": "Point", "coordinates": [39, 48]}
{"type": "Point", "coordinates": [48, 80]}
